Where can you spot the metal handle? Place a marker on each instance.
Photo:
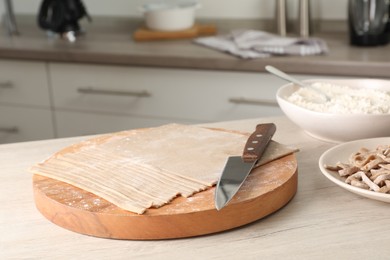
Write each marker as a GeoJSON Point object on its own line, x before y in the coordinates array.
{"type": "Point", "coordinates": [287, 77]}
{"type": "Point", "coordinates": [249, 101]}
{"type": "Point", "coordinates": [9, 18]}
{"type": "Point", "coordinates": [9, 130]}
{"type": "Point", "coordinates": [281, 17]}
{"type": "Point", "coordinates": [6, 84]}
{"type": "Point", "coordinates": [304, 18]}
{"type": "Point", "coordinates": [92, 90]}
{"type": "Point", "coordinates": [284, 76]}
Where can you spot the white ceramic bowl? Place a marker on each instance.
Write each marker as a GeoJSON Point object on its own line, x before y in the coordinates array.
{"type": "Point", "coordinates": [337, 127]}
{"type": "Point", "coordinates": [162, 16]}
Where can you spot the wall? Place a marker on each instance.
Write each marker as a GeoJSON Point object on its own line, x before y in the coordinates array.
{"type": "Point", "coordinates": [325, 9]}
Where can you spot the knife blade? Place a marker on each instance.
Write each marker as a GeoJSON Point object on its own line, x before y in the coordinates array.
{"type": "Point", "coordinates": [237, 168]}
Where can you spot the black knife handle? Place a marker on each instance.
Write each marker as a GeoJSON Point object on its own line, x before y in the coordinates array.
{"type": "Point", "coordinates": [258, 141]}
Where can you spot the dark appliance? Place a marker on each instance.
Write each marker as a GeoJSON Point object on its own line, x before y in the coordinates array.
{"type": "Point", "coordinates": [368, 22]}
{"type": "Point", "coordinates": [62, 17]}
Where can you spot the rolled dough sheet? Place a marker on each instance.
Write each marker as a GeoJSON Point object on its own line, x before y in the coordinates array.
{"type": "Point", "coordinates": [143, 168]}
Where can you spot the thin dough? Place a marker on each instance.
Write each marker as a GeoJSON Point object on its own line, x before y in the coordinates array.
{"type": "Point", "coordinates": [143, 168]}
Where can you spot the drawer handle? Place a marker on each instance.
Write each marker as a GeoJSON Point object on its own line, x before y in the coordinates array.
{"type": "Point", "coordinates": [91, 90]}
{"type": "Point", "coordinates": [249, 101]}
{"type": "Point", "coordinates": [6, 84]}
{"type": "Point", "coordinates": [9, 130]}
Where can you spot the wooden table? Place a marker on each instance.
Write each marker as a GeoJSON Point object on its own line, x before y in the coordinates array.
{"type": "Point", "coordinates": [322, 221]}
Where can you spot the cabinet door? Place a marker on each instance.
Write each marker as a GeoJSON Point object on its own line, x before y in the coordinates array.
{"type": "Point", "coordinates": [24, 83]}
{"type": "Point", "coordinates": [81, 123]}
{"type": "Point", "coordinates": [19, 124]}
{"type": "Point", "coordinates": [173, 93]}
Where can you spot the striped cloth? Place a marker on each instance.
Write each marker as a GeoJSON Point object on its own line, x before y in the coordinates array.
{"type": "Point", "coordinates": [250, 44]}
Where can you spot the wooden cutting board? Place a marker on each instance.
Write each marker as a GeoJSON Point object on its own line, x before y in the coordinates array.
{"type": "Point", "coordinates": [267, 189]}
{"type": "Point", "coordinates": [145, 34]}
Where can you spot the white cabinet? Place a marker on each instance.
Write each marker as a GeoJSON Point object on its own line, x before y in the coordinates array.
{"type": "Point", "coordinates": [19, 124]}
{"type": "Point", "coordinates": [24, 83]}
{"type": "Point", "coordinates": [25, 110]}
{"type": "Point", "coordinates": [84, 99]}
{"type": "Point", "coordinates": [138, 97]}
{"type": "Point", "coordinates": [71, 123]}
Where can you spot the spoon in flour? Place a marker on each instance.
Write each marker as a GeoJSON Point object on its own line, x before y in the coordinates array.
{"type": "Point", "coordinates": [282, 75]}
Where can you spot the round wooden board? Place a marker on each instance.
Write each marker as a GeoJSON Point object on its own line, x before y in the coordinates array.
{"type": "Point", "coordinates": [267, 189]}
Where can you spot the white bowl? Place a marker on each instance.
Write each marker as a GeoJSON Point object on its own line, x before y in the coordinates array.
{"type": "Point", "coordinates": [161, 16]}
{"type": "Point", "coordinates": [337, 127]}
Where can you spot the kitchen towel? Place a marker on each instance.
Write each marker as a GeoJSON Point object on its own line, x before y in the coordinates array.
{"type": "Point", "coordinates": [250, 44]}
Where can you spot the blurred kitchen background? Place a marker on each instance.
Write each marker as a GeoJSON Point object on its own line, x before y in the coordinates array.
{"type": "Point", "coordinates": [244, 9]}
{"type": "Point", "coordinates": [106, 81]}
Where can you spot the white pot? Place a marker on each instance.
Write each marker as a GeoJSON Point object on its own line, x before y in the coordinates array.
{"type": "Point", "coordinates": [170, 17]}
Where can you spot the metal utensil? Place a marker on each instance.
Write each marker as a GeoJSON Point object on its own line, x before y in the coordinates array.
{"type": "Point", "coordinates": [237, 168]}
{"type": "Point", "coordinates": [289, 78]}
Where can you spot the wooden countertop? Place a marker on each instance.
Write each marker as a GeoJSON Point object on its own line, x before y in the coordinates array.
{"type": "Point", "coordinates": [109, 41]}
{"type": "Point", "coordinates": [322, 220]}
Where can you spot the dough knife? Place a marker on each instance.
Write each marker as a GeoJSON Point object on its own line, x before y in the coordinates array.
{"type": "Point", "coordinates": [237, 168]}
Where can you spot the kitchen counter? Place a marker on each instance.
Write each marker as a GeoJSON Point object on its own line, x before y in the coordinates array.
{"type": "Point", "coordinates": [322, 220]}
{"type": "Point", "coordinates": [109, 41]}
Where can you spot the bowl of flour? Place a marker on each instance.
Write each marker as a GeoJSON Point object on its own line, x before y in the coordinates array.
{"type": "Point", "coordinates": [356, 109]}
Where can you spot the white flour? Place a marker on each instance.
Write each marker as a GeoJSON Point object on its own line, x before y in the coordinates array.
{"type": "Point", "coordinates": [343, 99]}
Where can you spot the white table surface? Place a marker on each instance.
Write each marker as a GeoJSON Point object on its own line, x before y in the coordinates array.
{"type": "Point", "coordinates": [323, 221]}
